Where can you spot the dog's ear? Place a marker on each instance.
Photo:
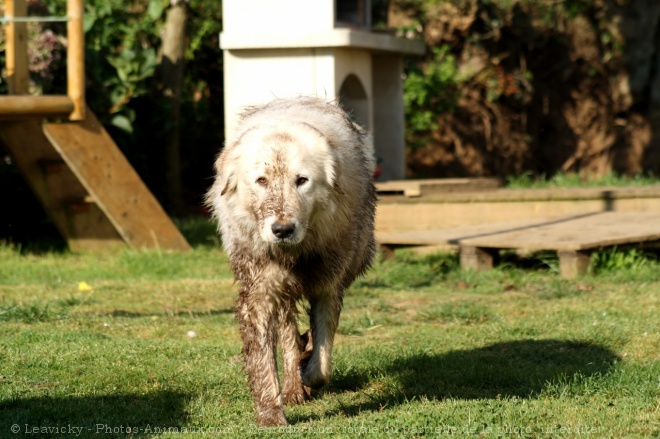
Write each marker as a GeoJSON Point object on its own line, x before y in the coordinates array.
{"type": "Point", "coordinates": [332, 170]}
{"type": "Point", "coordinates": [225, 174]}
{"type": "Point", "coordinates": [229, 183]}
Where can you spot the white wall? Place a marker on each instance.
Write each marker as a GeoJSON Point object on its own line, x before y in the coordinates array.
{"type": "Point", "coordinates": [277, 16]}
{"type": "Point", "coordinates": [358, 63]}
{"type": "Point", "coordinates": [388, 131]}
{"type": "Point", "coordinates": [258, 76]}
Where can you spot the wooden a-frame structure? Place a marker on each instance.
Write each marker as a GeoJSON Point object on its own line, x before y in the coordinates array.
{"type": "Point", "coordinates": [88, 188]}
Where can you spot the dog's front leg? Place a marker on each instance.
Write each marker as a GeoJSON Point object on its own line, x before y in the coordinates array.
{"type": "Point", "coordinates": [324, 317]}
{"type": "Point", "coordinates": [257, 318]}
{"type": "Point", "coordinates": [293, 349]}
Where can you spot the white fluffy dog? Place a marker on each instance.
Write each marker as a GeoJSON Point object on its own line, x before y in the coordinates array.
{"type": "Point", "coordinates": [295, 202]}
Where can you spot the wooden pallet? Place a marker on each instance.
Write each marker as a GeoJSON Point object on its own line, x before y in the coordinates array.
{"type": "Point", "coordinates": [88, 188]}
{"type": "Point", "coordinates": [573, 238]}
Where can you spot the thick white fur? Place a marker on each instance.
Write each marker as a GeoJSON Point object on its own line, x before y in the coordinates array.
{"type": "Point", "coordinates": [248, 152]}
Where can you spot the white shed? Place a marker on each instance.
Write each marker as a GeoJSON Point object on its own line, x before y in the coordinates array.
{"type": "Point", "coordinates": [283, 48]}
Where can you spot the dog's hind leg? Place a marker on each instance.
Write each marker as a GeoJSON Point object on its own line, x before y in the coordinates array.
{"type": "Point", "coordinates": [324, 317]}
{"type": "Point", "coordinates": [257, 319]}
{"type": "Point", "coordinates": [293, 348]}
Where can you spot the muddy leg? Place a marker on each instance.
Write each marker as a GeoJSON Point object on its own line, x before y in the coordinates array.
{"type": "Point", "coordinates": [258, 324]}
{"type": "Point", "coordinates": [293, 346]}
{"type": "Point", "coordinates": [324, 316]}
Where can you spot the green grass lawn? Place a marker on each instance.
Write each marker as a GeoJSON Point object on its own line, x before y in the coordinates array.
{"type": "Point", "coordinates": [423, 349]}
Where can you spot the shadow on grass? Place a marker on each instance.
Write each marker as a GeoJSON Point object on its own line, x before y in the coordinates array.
{"type": "Point", "coordinates": [191, 314]}
{"type": "Point", "coordinates": [93, 416]}
{"type": "Point", "coordinates": [511, 369]}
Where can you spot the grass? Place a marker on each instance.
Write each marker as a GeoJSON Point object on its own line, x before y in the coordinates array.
{"type": "Point", "coordinates": [574, 180]}
{"type": "Point", "coordinates": [423, 349]}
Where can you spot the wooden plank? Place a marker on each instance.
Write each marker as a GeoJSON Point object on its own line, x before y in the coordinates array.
{"type": "Point", "coordinates": [116, 188]}
{"type": "Point", "coordinates": [21, 107]}
{"type": "Point", "coordinates": [453, 236]}
{"type": "Point", "coordinates": [16, 61]}
{"type": "Point", "coordinates": [52, 166]}
{"type": "Point", "coordinates": [607, 195]}
{"type": "Point", "coordinates": [582, 232]}
{"type": "Point", "coordinates": [416, 188]}
{"type": "Point", "coordinates": [54, 184]}
{"type": "Point", "coordinates": [403, 218]}
{"type": "Point", "coordinates": [75, 56]}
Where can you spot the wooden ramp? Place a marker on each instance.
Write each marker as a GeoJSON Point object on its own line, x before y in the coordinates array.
{"type": "Point", "coordinates": [89, 189]}
{"type": "Point", "coordinates": [573, 238]}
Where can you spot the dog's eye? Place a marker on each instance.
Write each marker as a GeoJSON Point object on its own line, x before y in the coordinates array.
{"type": "Point", "coordinates": [262, 181]}
{"type": "Point", "coordinates": [301, 180]}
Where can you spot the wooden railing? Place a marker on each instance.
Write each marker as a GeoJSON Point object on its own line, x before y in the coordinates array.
{"type": "Point", "coordinates": [19, 104]}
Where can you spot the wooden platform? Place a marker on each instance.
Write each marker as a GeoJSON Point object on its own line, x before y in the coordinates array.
{"type": "Point", "coordinates": [447, 209]}
{"type": "Point", "coordinates": [572, 237]}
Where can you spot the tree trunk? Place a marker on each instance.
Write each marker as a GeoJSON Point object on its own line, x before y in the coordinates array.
{"type": "Point", "coordinates": [172, 64]}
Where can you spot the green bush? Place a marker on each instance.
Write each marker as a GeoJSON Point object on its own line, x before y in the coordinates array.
{"type": "Point", "coordinates": [430, 90]}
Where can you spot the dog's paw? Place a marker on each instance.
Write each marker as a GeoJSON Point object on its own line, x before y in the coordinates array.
{"type": "Point", "coordinates": [271, 418]}
{"type": "Point", "coordinates": [299, 395]}
{"type": "Point", "coordinates": [312, 376]}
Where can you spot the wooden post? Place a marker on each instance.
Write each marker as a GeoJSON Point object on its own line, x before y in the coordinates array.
{"type": "Point", "coordinates": [172, 65]}
{"type": "Point", "coordinates": [477, 258]}
{"type": "Point", "coordinates": [76, 58]}
{"type": "Point", "coordinates": [573, 263]}
{"type": "Point", "coordinates": [16, 52]}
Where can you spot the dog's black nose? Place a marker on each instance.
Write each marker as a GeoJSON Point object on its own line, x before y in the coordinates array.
{"type": "Point", "coordinates": [282, 230]}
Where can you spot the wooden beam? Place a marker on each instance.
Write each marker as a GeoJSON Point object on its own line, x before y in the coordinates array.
{"type": "Point", "coordinates": [76, 58]}
{"type": "Point", "coordinates": [20, 107]}
{"type": "Point", "coordinates": [18, 76]}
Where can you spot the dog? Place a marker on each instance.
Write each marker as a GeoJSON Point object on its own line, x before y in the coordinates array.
{"type": "Point", "coordinates": [294, 198]}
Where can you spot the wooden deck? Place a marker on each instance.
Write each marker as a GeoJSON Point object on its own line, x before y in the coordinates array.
{"type": "Point", "coordinates": [572, 237]}
{"type": "Point", "coordinates": [449, 207]}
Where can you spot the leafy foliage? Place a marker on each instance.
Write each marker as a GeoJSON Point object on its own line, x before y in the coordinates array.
{"type": "Point", "coordinates": [629, 260]}
{"type": "Point", "coordinates": [133, 68]}
{"type": "Point", "coordinates": [430, 90]}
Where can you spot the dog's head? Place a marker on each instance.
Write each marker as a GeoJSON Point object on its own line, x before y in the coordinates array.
{"type": "Point", "coordinates": [281, 177]}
